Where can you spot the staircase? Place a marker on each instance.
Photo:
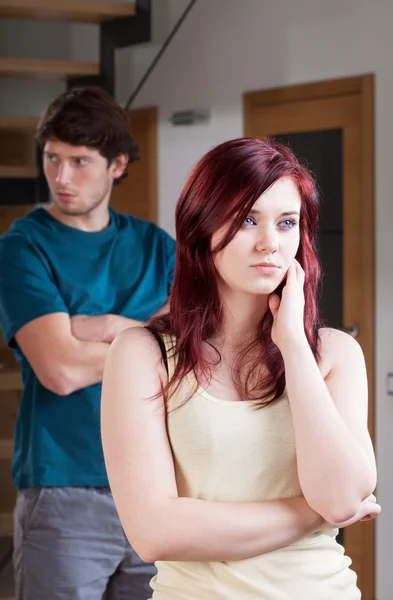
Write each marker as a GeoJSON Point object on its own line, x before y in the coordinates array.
{"type": "Point", "coordinates": [21, 181]}
{"type": "Point", "coordinates": [71, 11]}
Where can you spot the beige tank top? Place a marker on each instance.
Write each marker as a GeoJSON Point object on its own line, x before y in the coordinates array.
{"type": "Point", "coordinates": [229, 451]}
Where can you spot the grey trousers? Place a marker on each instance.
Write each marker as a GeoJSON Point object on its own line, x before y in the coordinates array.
{"type": "Point", "coordinates": [69, 545]}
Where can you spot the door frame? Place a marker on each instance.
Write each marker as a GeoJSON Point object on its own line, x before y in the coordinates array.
{"type": "Point", "coordinates": [360, 535]}
{"type": "Point", "coordinates": [147, 117]}
{"type": "Point", "coordinates": [150, 115]}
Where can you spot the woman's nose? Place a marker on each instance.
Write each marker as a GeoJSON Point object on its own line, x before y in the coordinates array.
{"type": "Point", "coordinates": [267, 241]}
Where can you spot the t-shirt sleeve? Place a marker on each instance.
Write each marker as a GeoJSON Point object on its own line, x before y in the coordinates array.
{"type": "Point", "coordinates": [170, 246]}
{"type": "Point", "coordinates": [27, 287]}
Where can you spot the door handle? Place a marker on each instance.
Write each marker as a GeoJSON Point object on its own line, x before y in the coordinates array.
{"type": "Point", "coordinates": [352, 330]}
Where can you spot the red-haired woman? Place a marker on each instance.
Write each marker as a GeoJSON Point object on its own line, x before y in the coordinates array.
{"type": "Point", "coordinates": [235, 429]}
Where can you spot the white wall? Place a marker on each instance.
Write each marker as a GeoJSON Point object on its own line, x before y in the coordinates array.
{"type": "Point", "coordinates": [227, 47]}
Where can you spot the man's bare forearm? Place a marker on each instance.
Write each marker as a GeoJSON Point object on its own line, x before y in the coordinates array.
{"type": "Point", "coordinates": [104, 328]}
{"type": "Point", "coordinates": [100, 328]}
{"type": "Point", "coordinates": [80, 366]}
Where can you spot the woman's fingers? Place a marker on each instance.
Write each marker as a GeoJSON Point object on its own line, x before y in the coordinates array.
{"type": "Point", "coordinates": [299, 272]}
{"type": "Point", "coordinates": [372, 510]}
{"type": "Point", "coordinates": [291, 279]}
{"type": "Point", "coordinates": [373, 514]}
{"type": "Point", "coordinates": [274, 304]}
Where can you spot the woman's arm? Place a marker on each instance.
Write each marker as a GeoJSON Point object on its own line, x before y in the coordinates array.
{"type": "Point", "coordinates": [336, 463]}
{"type": "Point", "coordinates": [159, 524]}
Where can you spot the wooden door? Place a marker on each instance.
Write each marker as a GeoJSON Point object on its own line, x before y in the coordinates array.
{"type": "Point", "coordinates": [330, 125]}
{"type": "Point", "coordinates": [137, 194]}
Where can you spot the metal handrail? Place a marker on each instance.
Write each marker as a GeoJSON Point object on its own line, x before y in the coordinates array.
{"type": "Point", "coordinates": [159, 54]}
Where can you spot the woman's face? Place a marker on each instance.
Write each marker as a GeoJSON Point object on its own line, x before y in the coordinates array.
{"type": "Point", "coordinates": [257, 259]}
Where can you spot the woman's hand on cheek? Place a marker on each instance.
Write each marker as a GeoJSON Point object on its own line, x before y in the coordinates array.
{"type": "Point", "coordinates": [288, 312]}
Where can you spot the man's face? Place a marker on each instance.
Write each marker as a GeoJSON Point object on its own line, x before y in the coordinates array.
{"type": "Point", "coordinates": [79, 178]}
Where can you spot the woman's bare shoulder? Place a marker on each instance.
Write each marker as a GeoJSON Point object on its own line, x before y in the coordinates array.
{"type": "Point", "coordinates": [136, 346]}
{"type": "Point", "coordinates": [337, 347]}
{"type": "Point", "coordinates": [134, 336]}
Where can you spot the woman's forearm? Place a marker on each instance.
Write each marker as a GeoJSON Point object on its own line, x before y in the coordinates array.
{"type": "Point", "coordinates": [334, 471]}
{"type": "Point", "coordinates": [188, 529]}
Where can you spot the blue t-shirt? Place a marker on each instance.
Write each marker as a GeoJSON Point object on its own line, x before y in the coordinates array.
{"type": "Point", "coordinates": [47, 267]}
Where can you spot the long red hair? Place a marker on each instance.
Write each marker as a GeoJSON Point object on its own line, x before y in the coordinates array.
{"type": "Point", "coordinates": [221, 190]}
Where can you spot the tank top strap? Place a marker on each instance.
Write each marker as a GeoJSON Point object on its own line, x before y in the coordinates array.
{"type": "Point", "coordinates": [170, 348]}
{"type": "Point", "coordinates": [161, 345]}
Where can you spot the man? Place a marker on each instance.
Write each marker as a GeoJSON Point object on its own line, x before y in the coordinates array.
{"type": "Point", "coordinates": [72, 276]}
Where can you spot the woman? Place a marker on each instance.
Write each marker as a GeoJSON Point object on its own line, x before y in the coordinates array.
{"type": "Point", "coordinates": [233, 469]}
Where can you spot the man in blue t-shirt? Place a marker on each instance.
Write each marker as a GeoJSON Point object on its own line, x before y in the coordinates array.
{"type": "Point", "coordinates": [73, 276]}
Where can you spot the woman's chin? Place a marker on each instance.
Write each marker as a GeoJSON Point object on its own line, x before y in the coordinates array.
{"type": "Point", "coordinates": [264, 290]}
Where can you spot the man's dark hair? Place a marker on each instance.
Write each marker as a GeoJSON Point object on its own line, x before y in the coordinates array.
{"type": "Point", "coordinates": [89, 116]}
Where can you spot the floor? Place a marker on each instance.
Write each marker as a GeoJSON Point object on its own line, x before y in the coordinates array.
{"type": "Point", "coordinates": [6, 575]}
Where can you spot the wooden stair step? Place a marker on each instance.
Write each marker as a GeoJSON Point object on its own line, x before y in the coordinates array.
{"type": "Point", "coordinates": [6, 449]}
{"type": "Point", "coordinates": [18, 123]}
{"type": "Point", "coordinates": [18, 149]}
{"type": "Point", "coordinates": [76, 11]}
{"type": "Point", "coordinates": [18, 172]}
{"type": "Point", "coordinates": [52, 69]}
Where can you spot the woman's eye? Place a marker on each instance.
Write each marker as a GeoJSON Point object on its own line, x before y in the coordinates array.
{"type": "Point", "coordinates": [249, 221]}
{"type": "Point", "coordinates": [288, 223]}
